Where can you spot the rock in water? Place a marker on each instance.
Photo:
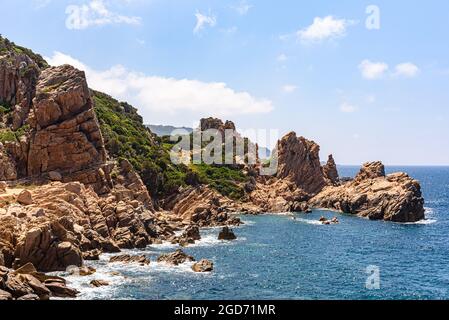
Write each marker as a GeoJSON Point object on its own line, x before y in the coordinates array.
{"type": "Point", "coordinates": [93, 255]}
{"type": "Point", "coordinates": [395, 197]}
{"type": "Point", "coordinates": [61, 291]}
{"type": "Point", "coordinates": [203, 266]}
{"type": "Point", "coordinates": [142, 260]}
{"type": "Point", "coordinates": [175, 258]}
{"type": "Point", "coordinates": [99, 283]}
{"type": "Point", "coordinates": [226, 234]}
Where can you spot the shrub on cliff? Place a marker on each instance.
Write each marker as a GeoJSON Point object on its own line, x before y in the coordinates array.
{"type": "Point", "coordinates": [6, 45]}
{"type": "Point", "coordinates": [126, 137]}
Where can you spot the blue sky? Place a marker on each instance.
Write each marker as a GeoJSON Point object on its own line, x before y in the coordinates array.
{"type": "Point", "coordinates": [312, 67]}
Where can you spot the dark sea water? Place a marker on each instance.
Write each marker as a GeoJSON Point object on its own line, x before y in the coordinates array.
{"type": "Point", "coordinates": [276, 257]}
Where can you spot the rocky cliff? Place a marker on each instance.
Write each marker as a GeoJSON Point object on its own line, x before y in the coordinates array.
{"type": "Point", "coordinates": [301, 182]}
{"type": "Point", "coordinates": [80, 175]}
{"type": "Point", "coordinates": [299, 161]}
{"type": "Point", "coordinates": [92, 204]}
{"type": "Point", "coordinates": [372, 194]}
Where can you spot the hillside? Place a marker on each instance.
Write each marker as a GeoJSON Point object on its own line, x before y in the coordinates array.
{"type": "Point", "coordinates": [162, 130]}
{"type": "Point", "coordinates": [7, 46]}
{"type": "Point", "coordinates": [127, 137]}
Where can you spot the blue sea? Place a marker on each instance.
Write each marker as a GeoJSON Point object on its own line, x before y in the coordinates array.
{"type": "Point", "coordinates": [278, 257]}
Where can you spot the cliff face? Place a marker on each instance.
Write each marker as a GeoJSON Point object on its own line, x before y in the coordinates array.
{"type": "Point", "coordinates": [78, 200]}
{"type": "Point", "coordinates": [94, 204]}
{"type": "Point", "coordinates": [299, 161]}
{"type": "Point", "coordinates": [66, 136]}
{"type": "Point", "coordinates": [395, 197]}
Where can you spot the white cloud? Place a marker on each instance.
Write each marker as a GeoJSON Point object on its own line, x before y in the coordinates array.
{"type": "Point", "coordinates": [202, 20]}
{"type": "Point", "coordinates": [373, 70]}
{"type": "Point", "coordinates": [324, 28]}
{"type": "Point", "coordinates": [155, 94]}
{"type": "Point", "coordinates": [243, 8]}
{"type": "Point", "coordinates": [376, 70]}
{"type": "Point", "coordinates": [289, 88]}
{"type": "Point", "coordinates": [282, 57]}
{"type": "Point", "coordinates": [347, 108]}
{"type": "Point", "coordinates": [406, 69]}
{"type": "Point", "coordinates": [95, 13]}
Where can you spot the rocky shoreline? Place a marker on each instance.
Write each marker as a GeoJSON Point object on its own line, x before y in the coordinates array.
{"type": "Point", "coordinates": [64, 199]}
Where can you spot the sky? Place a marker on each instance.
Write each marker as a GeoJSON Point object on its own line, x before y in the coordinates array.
{"type": "Point", "coordinates": [366, 80]}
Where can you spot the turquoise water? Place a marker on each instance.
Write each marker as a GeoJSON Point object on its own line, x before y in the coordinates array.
{"type": "Point", "coordinates": [277, 257]}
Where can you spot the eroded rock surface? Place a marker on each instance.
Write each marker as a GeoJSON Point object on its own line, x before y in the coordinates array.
{"type": "Point", "coordinates": [27, 284]}
{"type": "Point", "coordinates": [203, 265]}
{"type": "Point", "coordinates": [299, 161]}
{"type": "Point", "coordinates": [175, 258]}
{"type": "Point", "coordinates": [395, 197]}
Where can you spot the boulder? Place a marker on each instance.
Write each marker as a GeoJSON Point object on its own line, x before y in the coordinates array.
{"type": "Point", "coordinates": [82, 271]}
{"type": "Point", "coordinates": [29, 297]}
{"type": "Point", "coordinates": [25, 198]}
{"type": "Point", "coordinates": [203, 266]}
{"type": "Point", "coordinates": [38, 247]}
{"type": "Point", "coordinates": [60, 290]}
{"type": "Point", "coordinates": [3, 186]}
{"type": "Point", "coordinates": [4, 295]}
{"type": "Point", "coordinates": [93, 255]}
{"type": "Point", "coordinates": [175, 258]}
{"type": "Point", "coordinates": [99, 283]}
{"type": "Point", "coordinates": [226, 234]}
{"type": "Point", "coordinates": [126, 258]}
{"type": "Point", "coordinates": [54, 176]}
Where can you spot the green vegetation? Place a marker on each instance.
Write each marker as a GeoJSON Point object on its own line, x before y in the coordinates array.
{"type": "Point", "coordinates": [225, 179]}
{"type": "Point", "coordinates": [7, 135]}
{"type": "Point", "coordinates": [5, 109]}
{"type": "Point", "coordinates": [126, 137]}
{"type": "Point", "coordinates": [8, 46]}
